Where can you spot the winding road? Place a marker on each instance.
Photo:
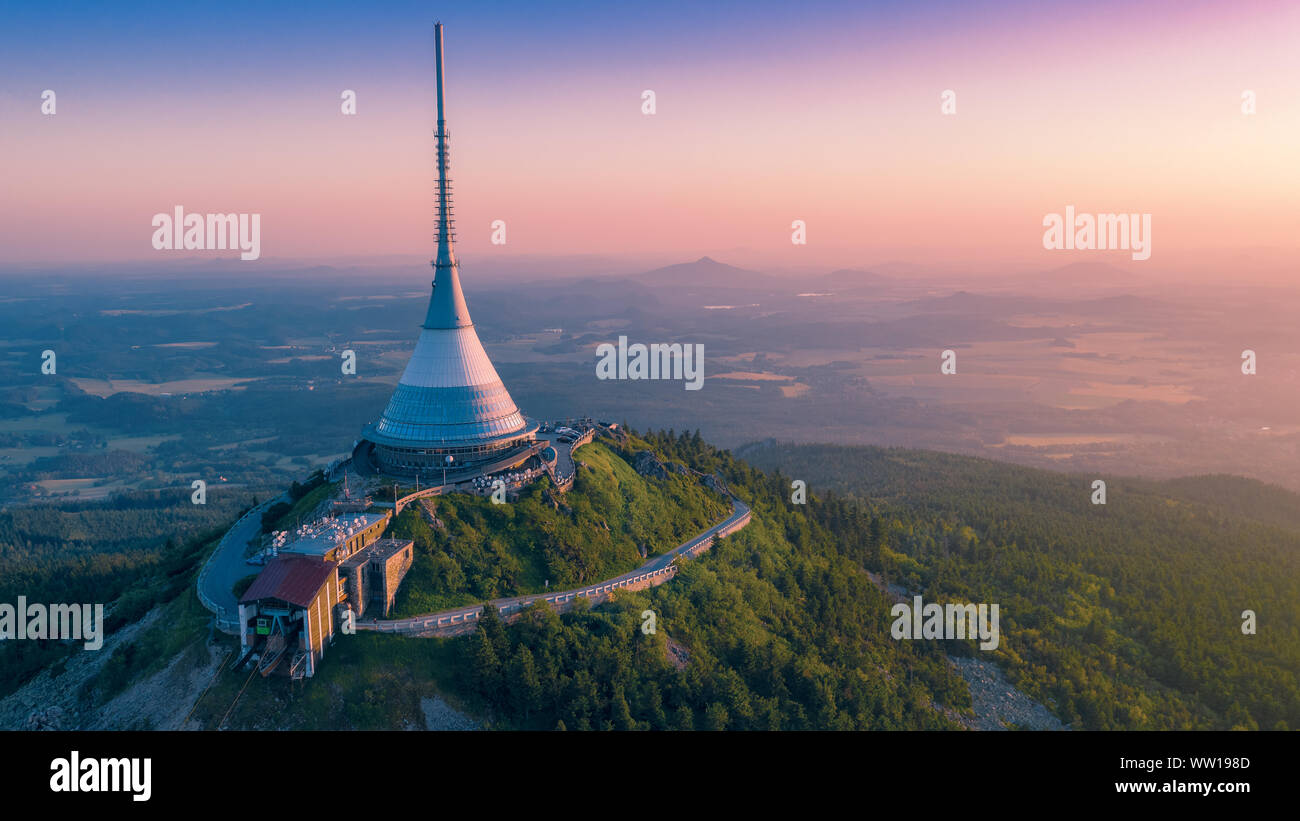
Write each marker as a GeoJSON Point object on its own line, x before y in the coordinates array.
{"type": "Point", "coordinates": [654, 572]}
{"type": "Point", "coordinates": [226, 566]}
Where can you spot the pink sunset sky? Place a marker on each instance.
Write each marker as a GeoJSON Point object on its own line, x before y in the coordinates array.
{"type": "Point", "coordinates": [832, 118]}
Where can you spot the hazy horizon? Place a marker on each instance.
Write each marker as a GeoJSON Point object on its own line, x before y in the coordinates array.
{"type": "Point", "coordinates": [493, 269]}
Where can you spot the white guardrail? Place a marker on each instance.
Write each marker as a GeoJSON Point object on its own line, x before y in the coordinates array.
{"type": "Point", "coordinates": [448, 619]}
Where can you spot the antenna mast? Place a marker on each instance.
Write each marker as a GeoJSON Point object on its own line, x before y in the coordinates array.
{"type": "Point", "coordinates": [446, 229]}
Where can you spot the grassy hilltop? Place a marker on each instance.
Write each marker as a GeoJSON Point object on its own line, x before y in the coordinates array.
{"type": "Point", "coordinates": [609, 523]}
{"type": "Point", "coordinates": [776, 627]}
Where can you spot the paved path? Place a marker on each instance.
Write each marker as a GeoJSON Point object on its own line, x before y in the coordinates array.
{"type": "Point", "coordinates": [565, 467]}
{"type": "Point", "coordinates": [226, 566]}
{"type": "Point", "coordinates": [654, 572]}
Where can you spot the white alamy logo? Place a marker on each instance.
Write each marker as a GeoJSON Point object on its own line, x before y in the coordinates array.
{"type": "Point", "coordinates": [952, 621]}
{"type": "Point", "coordinates": [77, 774]}
{"type": "Point", "coordinates": [53, 621]}
{"type": "Point", "coordinates": [208, 232]}
{"type": "Point", "coordinates": [655, 361]}
{"type": "Point", "coordinates": [1103, 232]}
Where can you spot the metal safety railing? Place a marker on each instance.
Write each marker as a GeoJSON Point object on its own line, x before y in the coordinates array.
{"type": "Point", "coordinates": [428, 622]}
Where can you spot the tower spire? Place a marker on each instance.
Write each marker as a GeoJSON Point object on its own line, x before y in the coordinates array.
{"type": "Point", "coordinates": [447, 304]}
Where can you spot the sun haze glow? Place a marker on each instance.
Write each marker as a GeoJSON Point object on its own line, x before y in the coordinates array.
{"type": "Point", "coordinates": [764, 114]}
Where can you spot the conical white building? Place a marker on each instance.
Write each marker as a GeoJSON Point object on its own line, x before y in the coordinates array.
{"type": "Point", "coordinates": [450, 402]}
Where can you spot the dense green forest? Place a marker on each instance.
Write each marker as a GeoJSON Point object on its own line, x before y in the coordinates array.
{"type": "Point", "coordinates": [89, 552]}
{"type": "Point", "coordinates": [1126, 615]}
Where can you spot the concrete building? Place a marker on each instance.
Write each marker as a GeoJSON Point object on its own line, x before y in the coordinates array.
{"type": "Point", "coordinates": [335, 538]}
{"type": "Point", "coordinates": [290, 613]}
{"type": "Point", "coordinates": [450, 411]}
{"type": "Point", "coordinates": [370, 578]}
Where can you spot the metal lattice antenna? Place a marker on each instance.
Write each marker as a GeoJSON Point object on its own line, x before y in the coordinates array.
{"type": "Point", "coordinates": [447, 306]}
{"type": "Point", "coordinates": [446, 221]}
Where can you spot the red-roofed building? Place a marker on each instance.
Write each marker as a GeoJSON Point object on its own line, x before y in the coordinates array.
{"type": "Point", "coordinates": [290, 578]}
{"type": "Point", "coordinates": [288, 614]}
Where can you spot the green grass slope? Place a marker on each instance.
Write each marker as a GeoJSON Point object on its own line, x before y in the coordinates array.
{"type": "Point", "coordinates": [598, 529]}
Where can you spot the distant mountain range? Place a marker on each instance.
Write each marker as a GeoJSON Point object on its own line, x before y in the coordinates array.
{"type": "Point", "coordinates": [707, 272]}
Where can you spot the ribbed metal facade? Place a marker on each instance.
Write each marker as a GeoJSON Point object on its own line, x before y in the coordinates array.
{"type": "Point", "coordinates": [449, 396]}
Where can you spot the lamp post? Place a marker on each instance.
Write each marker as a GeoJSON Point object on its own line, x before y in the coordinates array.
{"type": "Point", "coordinates": [446, 462]}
